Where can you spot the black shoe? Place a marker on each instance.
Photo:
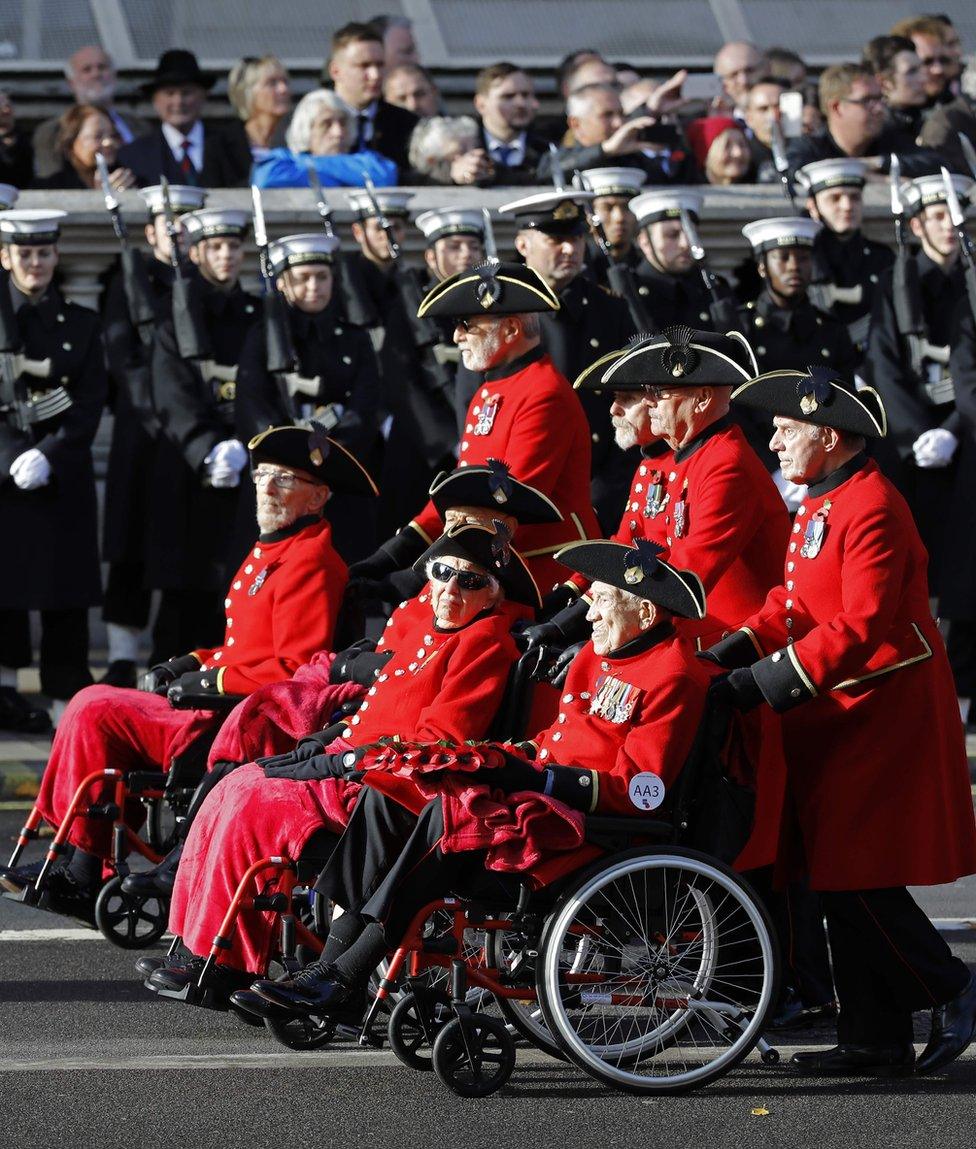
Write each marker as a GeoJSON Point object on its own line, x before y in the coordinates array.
{"type": "Point", "coordinates": [315, 989]}
{"type": "Point", "coordinates": [17, 714]}
{"type": "Point", "coordinates": [246, 1001]}
{"type": "Point", "coordinates": [121, 672]}
{"type": "Point", "coordinates": [953, 1029]}
{"type": "Point", "coordinates": [793, 1014]}
{"type": "Point", "coordinates": [16, 879]}
{"type": "Point", "coordinates": [65, 895]}
{"type": "Point", "coordinates": [149, 964]}
{"type": "Point", "coordinates": [159, 880]}
{"type": "Point", "coordinates": [221, 980]}
{"type": "Point", "coordinates": [896, 1060]}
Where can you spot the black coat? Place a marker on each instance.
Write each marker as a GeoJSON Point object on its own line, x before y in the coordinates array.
{"type": "Point", "coordinates": [915, 161]}
{"type": "Point", "coordinates": [150, 157]}
{"type": "Point", "coordinates": [130, 458]}
{"type": "Point", "coordinates": [522, 174]}
{"type": "Point", "coordinates": [392, 128]}
{"type": "Point", "coordinates": [52, 532]}
{"type": "Point", "coordinates": [857, 264]}
{"type": "Point", "coordinates": [678, 168]}
{"type": "Point", "coordinates": [957, 578]}
{"type": "Point", "coordinates": [195, 536]}
{"type": "Point", "coordinates": [676, 299]}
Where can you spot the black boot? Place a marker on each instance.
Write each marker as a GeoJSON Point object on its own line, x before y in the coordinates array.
{"type": "Point", "coordinates": [892, 1060]}
{"type": "Point", "coordinates": [121, 672]}
{"type": "Point", "coordinates": [17, 714]}
{"type": "Point", "coordinates": [953, 1030]}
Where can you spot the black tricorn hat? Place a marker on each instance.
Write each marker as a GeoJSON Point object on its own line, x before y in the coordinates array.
{"type": "Point", "coordinates": [491, 486]}
{"type": "Point", "coordinates": [818, 395]}
{"type": "Point", "coordinates": [640, 571]}
{"type": "Point", "coordinates": [308, 448]}
{"type": "Point", "coordinates": [490, 548]}
{"type": "Point", "coordinates": [677, 357]}
{"type": "Point", "coordinates": [177, 66]}
{"type": "Point", "coordinates": [491, 288]}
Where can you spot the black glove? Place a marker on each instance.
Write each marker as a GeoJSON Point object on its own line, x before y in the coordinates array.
{"type": "Point", "coordinates": [738, 689]}
{"type": "Point", "coordinates": [401, 551]}
{"type": "Point", "coordinates": [708, 656]}
{"type": "Point", "coordinates": [308, 747]}
{"type": "Point", "coordinates": [540, 634]}
{"type": "Point", "coordinates": [317, 767]}
{"type": "Point", "coordinates": [157, 678]}
{"type": "Point", "coordinates": [557, 671]}
{"type": "Point", "coordinates": [341, 670]}
{"type": "Point", "coordinates": [515, 775]}
{"type": "Point", "coordinates": [559, 597]}
{"type": "Point", "coordinates": [392, 588]}
{"type": "Point", "coordinates": [199, 682]}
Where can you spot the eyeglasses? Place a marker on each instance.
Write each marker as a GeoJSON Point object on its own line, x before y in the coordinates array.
{"type": "Point", "coordinates": [657, 393]}
{"type": "Point", "coordinates": [286, 480]}
{"type": "Point", "coordinates": [865, 101]}
{"type": "Point", "coordinates": [929, 61]}
{"type": "Point", "coordinates": [466, 324]}
{"type": "Point", "coordinates": [466, 580]}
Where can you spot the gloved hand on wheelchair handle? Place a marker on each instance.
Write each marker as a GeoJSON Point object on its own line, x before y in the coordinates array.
{"type": "Point", "coordinates": [157, 678]}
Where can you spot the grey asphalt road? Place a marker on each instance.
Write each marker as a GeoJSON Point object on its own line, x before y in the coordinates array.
{"type": "Point", "coordinates": [88, 1057]}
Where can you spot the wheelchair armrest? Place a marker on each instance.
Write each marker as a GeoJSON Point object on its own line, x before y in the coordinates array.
{"type": "Point", "coordinates": [619, 833]}
{"type": "Point", "coordinates": [138, 780]}
{"type": "Point", "coordinates": [218, 703]}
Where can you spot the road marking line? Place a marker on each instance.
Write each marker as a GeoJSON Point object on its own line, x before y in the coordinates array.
{"type": "Point", "coordinates": [52, 934]}
{"type": "Point", "coordinates": [954, 923]}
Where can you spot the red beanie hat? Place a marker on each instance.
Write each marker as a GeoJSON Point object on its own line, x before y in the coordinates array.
{"type": "Point", "coordinates": [703, 133]}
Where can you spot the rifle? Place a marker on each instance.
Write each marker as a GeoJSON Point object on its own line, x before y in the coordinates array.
{"type": "Point", "coordinates": [905, 288]}
{"type": "Point", "coordinates": [358, 309]}
{"type": "Point", "coordinates": [15, 402]}
{"type": "Point", "coordinates": [969, 153]}
{"type": "Point", "coordinates": [135, 281]}
{"type": "Point", "coordinates": [777, 145]}
{"type": "Point", "coordinates": [281, 357]}
{"type": "Point", "coordinates": [556, 166]}
{"type": "Point", "coordinates": [722, 308]}
{"type": "Point", "coordinates": [192, 341]}
{"type": "Point", "coordinates": [958, 217]}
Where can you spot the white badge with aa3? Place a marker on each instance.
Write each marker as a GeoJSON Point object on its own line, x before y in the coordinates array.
{"type": "Point", "coordinates": [646, 791]}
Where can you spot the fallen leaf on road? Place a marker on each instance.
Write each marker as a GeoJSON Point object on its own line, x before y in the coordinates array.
{"type": "Point", "coordinates": [762, 1111]}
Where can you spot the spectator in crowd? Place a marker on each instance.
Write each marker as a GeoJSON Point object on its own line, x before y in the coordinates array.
{"type": "Point", "coordinates": [506, 104]}
{"type": "Point", "coordinates": [591, 70]}
{"type": "Point", "coordinates": [721, 149]}
{"type": "Point", "coordinates": [446, 150]}
{"type": "Point", "coordinates": [762, 110]}
{"type": "Point", "coordinates": [784, 64]}
{"type": "Point", "coordinates": [738, 65]}
{"type": "Point", "coordinates": [355, 69]}
{"type": "Point", "coordinates": [16, 153]}
{"type": "Point", "coordinates": [854, 107]}
{"type": "Point", "coordinates": [319, 134]}
{"type": "Point", "coordinates": [182, 147]}
{"type": "Point", "coordinates": [953, 49]}
{"type": "Point", "coordinates": [813, 119]}
{"type": "Point", "coordinates": [260, 92]}
{"type": "Point", "coordinates": [399, 46]}
{"type": "Point", "coordinates": [939, 64]}
{"type": "Point", "coordinates": [85, 131]}
{"type": "Point", "coordinates": [898, 69]}
{"type": "Point", "coordinates": [568, 65]}
{"type": "Point", "coordinates": [412, 87]}
{"type": "Point", "coordinates": [91, 77]}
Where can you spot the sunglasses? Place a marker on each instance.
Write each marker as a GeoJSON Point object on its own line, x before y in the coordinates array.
{"type": "Point", "coordinates": [466, 580]}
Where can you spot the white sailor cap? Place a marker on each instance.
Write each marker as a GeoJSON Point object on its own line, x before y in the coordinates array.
{"type": "Point", "coordinates": [666, 203]}
{"type": "Point", "coordinates": [782, 231]}
{"type": "Point", "coordinates": [31, 225]}
{"type": "Point", "coordinates": [553, 212]}
{"type": "Point", "coordinates": [920, 193]}
{"type": "Point", "coordinates": [390, 201]}
{"type": "Point", "coordinates": [8, 196]}
{"type": "Point", "coordinates": [836, 173]}
{"type": "Point", "coordinates": [441, 221]}
{"type": "Point", "coordinates": [213, 222]}
{"type": "Point", "coordinates": [308, 247]}
{"type": "Point", "coordinates": [611, 181]}
{"type": "Point", "coordinates": [182, 198]}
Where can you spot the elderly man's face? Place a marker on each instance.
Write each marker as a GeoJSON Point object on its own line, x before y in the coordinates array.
{"type": "Point", "coordinates": [91, 76]}
{"type": "Point", "coordinates": [179, 105]}
{"type": "Point", "coordinates": [453, 605]}
{"type": "Point", "coordinates": [481, 340]}
{"type": "Point", "coordinates": [631, 420]}
{"type": "Point", "coordinates": [677, 415]}
{"type": "Point", "coordinates": [616, 617]}
{"type": "Point", "coordinates": [738, 66]}
{"type": "Point", "coordinates": [285, 494]}
{"type": "Point", "coordinates": [604, 114]}
{"type": "Point", "coordinates": [799, 448]}
{"type": "Point", "coordinates": [762, 109]}
{"type": "Point", "coordinates": [557, 258]}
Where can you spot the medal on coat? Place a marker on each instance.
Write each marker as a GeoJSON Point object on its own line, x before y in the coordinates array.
{"type": "Point", "coordinates": [813, 536]}
{"type": "Point", "coordinates": [656, 498]}
{"type": "Point", "coordinates": [486, 416]}
{"type": "Point", "coordinates": [614, 699]}
{"type": "Point", "coordinates": [259, 581]}
{"type": "Point", "coordinates": [681, 513]}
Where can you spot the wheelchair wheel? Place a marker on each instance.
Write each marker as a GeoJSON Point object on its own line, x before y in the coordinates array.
{"type": "Point", "coordinates": [524, 1016]}
{"type": "Point", "coordinates": [474, 1057]}
{"type": "Point", "coordinates": [130, 921]}
{"type": "Point", "coordinates": [301, 1033]}
{"type": "Point", "coordinates": [414, 1025]}
{"type": "Point", "coordinates": [679, 974]}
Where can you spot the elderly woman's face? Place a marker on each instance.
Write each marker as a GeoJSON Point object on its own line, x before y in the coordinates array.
{"type": "Point", "coordinates": [454, 605]}
{"type": "Point", "coordinates": [327, 133]}
{"type": "Point", "coordinates": [728, 158]}
{"type": "Point", "coordinates": [617, 617]}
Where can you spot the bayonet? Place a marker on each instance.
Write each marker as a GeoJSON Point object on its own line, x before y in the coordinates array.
{"type": "Point", "coordinates": [969, 152]}
{"type": "Point", "coordinates": [956, 213]}
{"type": "Point", "coordinates": [555, 163]}
{"type": "Point", "coordinates": [781, 162]}
{"type": "Point", "coordinates": [958, 217]}
{"type": "Point", "coordinates": [691, 233]}
{"type": "Point", "coordinates": [491, 250]}
{"type": "Point", "coordinates": [321, 204]}
{"type": "Point", "coordinates": [381, 218]}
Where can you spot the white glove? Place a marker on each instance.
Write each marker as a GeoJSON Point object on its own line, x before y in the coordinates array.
{"type": "Point", "coordinates": [225, 463]}
{"type": "Point", "coordinates": [935, 448]}
{"type": "Point", "coordinates": [793, 493]}
{"type": "Point", "coordinates": [30, 470]}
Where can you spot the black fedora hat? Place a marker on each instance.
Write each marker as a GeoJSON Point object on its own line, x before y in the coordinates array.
{"type": "Point", "coordinates": [491, 486]}
{"type": "Point", "coordinates": [818, 395]}
{"type": "Point", "coordinates": [491, 288]}
{"type": "Point", "coordinates": [177, 66]}
{"type": "Point", "coordinates": [677, 357]}
{"type": "Point", "coordinates": [308, 448]}
{"type": "Point", "coordinates": [640, 571]}
{"type": "Point", "coordinates": [489, 548]}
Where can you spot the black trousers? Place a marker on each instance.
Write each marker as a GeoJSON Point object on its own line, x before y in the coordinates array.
{"type": "Point", "coordinates": [889, 961]}
{"type": "Point", "coordinates": [63, 652]}
{"type": "Point", "coordinates": [388, 865]}
{"type": "Point", "coordinates": [127, 601]}
{"type": "Point", "coordinates": [961, 648]}
{"type": "Point", "coordinates": [186, 620]}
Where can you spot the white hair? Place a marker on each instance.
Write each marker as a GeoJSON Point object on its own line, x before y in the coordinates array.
{"type": "Point", "coordinates": [432, 139]}
{"type": "Point", "coordinates": [580, 102]}
{"type": "Point", "coordinates": [299, 135]}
